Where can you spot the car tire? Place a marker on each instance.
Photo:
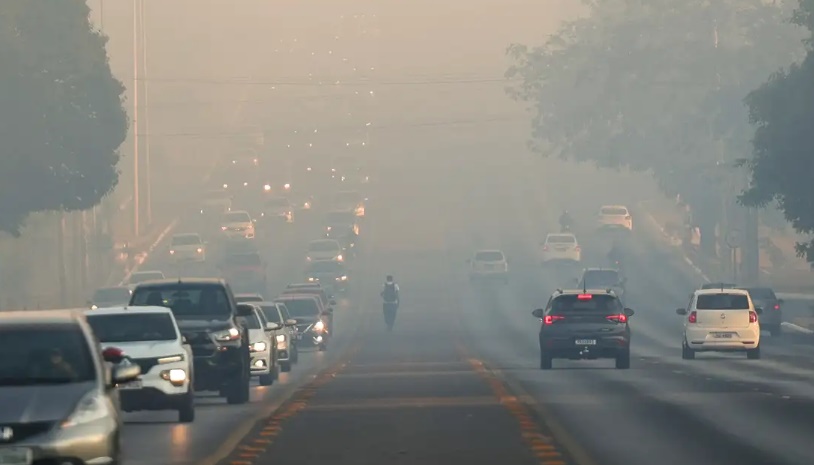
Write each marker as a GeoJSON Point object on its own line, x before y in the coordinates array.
{"type": "Point", "coordinates": [546, 361]}
{"type": "Point", "coordinates": [686, 352]}
{"type": "Point", "coordinates": [186, 411]}
{"type": "Point", "coordinates": [267, 380]}
{"type": "Point", "coordinates": [776, 331]}
{"type": "Point", "coordinates": [238, 392]}
{"type": "Point", "coordinates": [623, 360]}
{"type": "Point", "coordinates": [753, 354]}
{"type": "Point", "coordinates": [285, 367]}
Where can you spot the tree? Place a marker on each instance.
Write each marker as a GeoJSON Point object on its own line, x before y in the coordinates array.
{"type": "Point", "coordinates": [655, 86]}
{"type": "Point", "coordinates": [782, 162]}
{"type": "Point", "coordinates": [61, 119]}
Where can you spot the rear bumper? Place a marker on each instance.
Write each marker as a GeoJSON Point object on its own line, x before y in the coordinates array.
{"type": "Point", "coordinates": [572, 257]}
{"type": "Point", "coordinates": [704, 340]}
{"type": "Point", "coordinates": [607, 347]}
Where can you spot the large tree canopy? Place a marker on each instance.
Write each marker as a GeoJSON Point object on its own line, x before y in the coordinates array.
{"type": "Point", "coordinates": [655, 86]}
{"type": "Point", "coordinates": [61, 119]}
{"type": "Point", "coordinates": [782, 164]}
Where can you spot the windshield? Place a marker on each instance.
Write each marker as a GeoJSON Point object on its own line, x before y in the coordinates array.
{"type": "Point", "coordinates": [340, 218]}
{"type": "Point", "coordinates": [722, 302]}
{"type": "Point", "coordinates": [133, 327]}
{"type": "Point", "coordinates": [43, 354]}
{"type": "Point", "coordinates": [718, 286]}
{"type": "Point", "coordinates": [237, 217]}
{"type": "Point", "coordinates": [348, 198]}
{"type": "Point", "coordinates": [761, 293]}
{"type": "Point", "coordinates": [249, 259]}
{"type": "Point", "coordinates": [324, 246]}
{"type": "Point", "coordinates": [561, 239]}
{"type": "Point", "coordinates": [249, 298]}
{"type": "Point", "coordinates": [136, 278]}
{"type": "Point", "coordinates": [186, 239]}
{"type": "Point", "coordinates": [600, 278]}
{"type": "Point", "coordinates": [252, 322]}
{"type": "Point", "coordinates": [271, 312]}
{"type": "Point", "coordinates": [217, 195]}
{"type": "Point", "coordinates": [615, 211]}
{"type": "Point", "coordinates": [112, 294]}
{"type": "Point", "coordinates": [489, 256]}
{"type": "Point", "coordinates": [326, 267]}
{"type": "Point", "coordinates": [302, 307]}
{"type": "Point", "coordinates": [277, 202]}
{"type": "Point", "coordinates": [187, 301]}
{"type": "Point", "coordinates": [595, 303]}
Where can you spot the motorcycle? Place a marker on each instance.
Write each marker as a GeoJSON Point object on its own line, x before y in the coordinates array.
{"type": "Point", "coordinates": [318, 334]}
{"type": "Point", "coordinates": [565, 228]}
{"type": "Point", "coordinates": [389, 309]}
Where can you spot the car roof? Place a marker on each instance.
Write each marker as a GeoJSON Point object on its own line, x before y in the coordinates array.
{"type": "Point", "coordinates": [613, 206]}
{"type": "Point", "coordinates": [57, 316]}
{"type": "Point", "coordinates": [186, 235]}
{"type": "Point", "coordinates": [488, 251]}
{"type": "Point", "coordinates": [599, 269]}
{"type": "Point", "coordinates": [125, 309]}
{"type": "Point", "coordinates": [726, 290]}
{"type": "Point", "coordinates": [561, 234]}
{"type": "Point", "coordinates": [297, 297]}
{"type": "Point", "coordinates": [181, 282]}
{"type": "Point", "coordinates": [560, 292]}
{"type": "Point", "coordinates": [248, 294]}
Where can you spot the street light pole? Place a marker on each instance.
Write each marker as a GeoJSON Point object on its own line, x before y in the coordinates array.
{"type": "Point", "coordinates": [136, 63]}
{"type": "Point", "coordinates": [145, 75]}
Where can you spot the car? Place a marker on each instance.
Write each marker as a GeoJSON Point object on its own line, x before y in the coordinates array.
{"type": "Point", "coordinates": [216, 203]}
{"type": "Point", "coordinates": [333, 275]}
{"type": "Point", "coordinates": [560, 247]}
{"type": "Point", "coordinates": [249, 297]}
{"type": "Point", "coordinates": [245, 272]}
{"type": "Point", "coordinates": [308, 310]}
{"type": "Point", "coordinates": [278, 209]}
{"type": "Point", "coordinates": [302, 202]}
{"type": "Point", "coordinates": [311, 285]}
{"type": "Point", "coordinates": [149, 337]}
{"type": "Point", "coordinates": [315, 289]}
{"type": "Point", "coordinates": [142, 276]}
{"type": "Point", "coordinates": [187, 247]}
{"type": "Point", "coordinates": [717, 286]}
{"type": "Point", "coordinates": [60, 402]}
{"type": "Point", "coordinates": [721, 320]}
{"type": "Point", "coordinates": [350, 201]}
{"type": "Point", "coordinates": [325, 249]}
{"type": "Point", "coordinates": [342, 226]}
{"type": "Point", "coordinates": [603, 278]}
{"type": "Point", "coordinates": [237, 225]}
{"type": "Point", "coordinates": [615, 217]}
{"type": "Point", "coordinates": [262, 337]}
{"type": "Point", "coordinates": [489, 264]}
{"type": "Point", "coordinates": [772, 317]}
{"type": "Point", "coordinates": [110, 296]}
{"type": "Point", "coordinates": [207, 315]}
{"type": "Point", "coordinates": [287, 352]}
{"type": "Point", "coordinates": [584, 324]}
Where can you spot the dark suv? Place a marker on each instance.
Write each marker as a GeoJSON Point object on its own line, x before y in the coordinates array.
{"type": "Point", "coordinates": [584, 324]}
{"type": "Point", "coordinates": [207, 315]}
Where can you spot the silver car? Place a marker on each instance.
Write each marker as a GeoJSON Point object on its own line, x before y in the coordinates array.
{"type": "Point", "coordinates": [58, 402]}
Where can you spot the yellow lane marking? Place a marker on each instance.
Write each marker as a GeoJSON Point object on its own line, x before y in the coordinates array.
{"type": "Point", "coordinates": [406, 402]}
{"type": "Point", "coordinates": [399, 374]}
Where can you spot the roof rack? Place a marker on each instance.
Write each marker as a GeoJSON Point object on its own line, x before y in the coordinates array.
{"type": "Point", "coordinates": [559, 291]}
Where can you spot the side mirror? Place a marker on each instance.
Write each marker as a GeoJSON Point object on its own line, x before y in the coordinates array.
{"type": "Point", "coordinates": [759, 310]}
{"type": "Point", "coordinates": [273, 326]}
{"type": "Point", "coordinates": [126, 373]}
{"type": "Point", "coordinates": [681, 311]}
{"type": "Point", "coordinates": [113, 355]}
{"type": "Point", "coordinates": [332, 302]}
{"type": "Point", "coordinates": [244, 310]}
{"type": "Point", "coordinates": [184, 340]}
{"type": "Point", "coordinates": [629, 312]}
{"type": "Point", "coordinates": [290, 322]}
{"type": "Point", "coordinates": [538, 313]}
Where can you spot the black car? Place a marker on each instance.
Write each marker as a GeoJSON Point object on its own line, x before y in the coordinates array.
{"type": "Point", "coordinates": [207, 316]}
{"type": "Point", "coordinates": [584, 325]}
{"type": "Point", "coordinates": [772, 316]}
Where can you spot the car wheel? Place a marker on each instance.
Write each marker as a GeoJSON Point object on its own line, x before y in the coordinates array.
{"type": "Point", "coordinates": [186, 411]}
{"type": "Point", "coordinates": [776, 331]}
{"type": "Point", "coordinates": [753, 354]}
{"type": "Point", "coordinates": [285, 367]}
{"type": "Point", "coordinates": [546, 361]}
{"type": "Point", "coordinates": [686, 352]}
{"type": "Point", "coordinates": [238, 393]}
{"type": "Point", "coordinates": [623, 359]}
{"type": "Point", "coordinates": [267, 380]}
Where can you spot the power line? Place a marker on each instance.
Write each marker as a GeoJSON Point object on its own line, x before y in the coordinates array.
{"type": "Point", "coordinates": [325, 82]}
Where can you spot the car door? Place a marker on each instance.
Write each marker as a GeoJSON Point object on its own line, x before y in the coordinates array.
{"type": "Point", "coordinates": [285, 315]}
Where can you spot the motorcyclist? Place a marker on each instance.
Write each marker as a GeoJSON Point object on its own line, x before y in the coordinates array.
{"type": "Point", "coordinates": [566, 222]}
{"type": "Point", "coordinates": [390, 294]}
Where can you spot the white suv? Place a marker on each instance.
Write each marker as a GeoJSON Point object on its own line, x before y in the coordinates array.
{"type": "Point", "coordinates": [560, 247]}
{"type": "Point", "coordinates": [187, 247]}
{"type": "Point", "coordinates": [488, 264]}
{"type": "Point", "coordinates": [615, 216]}
{"type": "Point", "coordinates": [237, 225]}
{"type": "Point", "coordinates": [149, 337]}
{"type": "Point", "coordinates": [721, 320]}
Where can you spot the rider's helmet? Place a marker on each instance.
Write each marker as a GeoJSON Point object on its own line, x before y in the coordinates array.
{"type": "Point", "coordinates": [389, 278]}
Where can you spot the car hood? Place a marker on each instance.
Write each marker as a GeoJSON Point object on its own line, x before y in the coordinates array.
{"type": "Point", "coordinates": [237, 225]}
{"type": "Point", "coordinates": [186, 247]}
{"type": "Point", "coordinates": [147, 349]}
{"type": "Point", "coordinates": [26, 404]}
{"type": "Point", "coordinates": [257, 335]}
{"type": "Point", "coordinates": [192, 325]}
{"type": "Point", "coordinates": [326, 276]}
{"type": "Point", "coordinates": [110, 303]}
{"type": "Point", "coordinates": [326, 255]}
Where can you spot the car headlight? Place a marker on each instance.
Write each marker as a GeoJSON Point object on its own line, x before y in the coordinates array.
{"type": "Point", "coordinates": [281, 338]}
{"type": "Point", "coordinates": [200, 249]}
{"type": "Point", "coordinates": [308, 258]}
{"type": "Point", "coordinates": [259, 346]}
{"type": "Point", "coordinates": [94, 307]}
{"type": "Point", "coordinates": [311, 279]}
{"type": "Point", "coordinates": [91, 408]}
{"type": "Point", "coordinates": [319, 325]}
{"type": "Point", "coordinates": [176, 376]}
{"type": "Point", "coordinates": [340, 257]}
{"type": "Point", "coordinates": [172, 252]}
{"type": "Point", "coordinates": [231, 334]}
{"type": "Point", "coordinates": [223, 228]}
{"type": "Point", "coordinates": [171, 359]}
{"type": "Point", "coordinates": [342, 278]}
{"type": "Point", "coordinates": [307, 205]}
{"type": "Point", "coordinates": [267, 187]}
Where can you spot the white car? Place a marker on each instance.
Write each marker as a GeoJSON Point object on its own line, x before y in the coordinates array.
{"type": "Point", "coordinates": [237, 225]}
{"type": "Point", "coordinates": [325, 249]}
{"type": "Point", "coordinates": [350, 201]}
{"type": "Point", "coordinates": [489, 264]}
{"type": "Point", "coordinates": [560, 247]}
{"type": "Point", "coordinates": [721, 320]}
{"type": "Point", "coordinates": [187, 247]}
{"type": "Point", "coordinates": [287, 353]}
{"type": "Point", "coordinates": [262, 345]}
{"type": "Point", "coordinates": [141, 276]}
{"type": "Point", "coordinates": [149, 337]}
{"type": "Point", "coordinates": [615, 217]}
{"type": "Point", "coordinates": [278, 209]}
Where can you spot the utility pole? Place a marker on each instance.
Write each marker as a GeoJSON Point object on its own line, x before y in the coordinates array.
{"type": "Point", "coordinates": [136, 65]}
{"type": "Point", "coordinates": [146, 111]}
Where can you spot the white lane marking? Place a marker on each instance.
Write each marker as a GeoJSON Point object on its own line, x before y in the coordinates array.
{"type": "Point", "coordinates": [146, 254]}
{"type": "Point", "coordinates": [796, 328]}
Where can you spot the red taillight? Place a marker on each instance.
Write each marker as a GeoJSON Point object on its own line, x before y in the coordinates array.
{"type": "Point", "coordinates": [585, 297]}
{"type": "Point", "coordinates": [752, 317]}
{"type": "Point", "coordinates": [550, 319]}
{"type": "Point", "coordinates": [693, 318]}
{"type": "Point", "coordinates": [113, 354]}
{"type": "Point", "coordinates": [620, 318]}
{"type": "Point", "coordinates": [545, 247]}
{"type": "Point", "coordinates": [777, 306]}
{"type": "Point", "coordinates": [627, 217]}
{"type": "Point", "coordinates": [576, 248]}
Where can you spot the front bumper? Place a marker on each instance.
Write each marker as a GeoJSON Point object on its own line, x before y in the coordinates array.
{"type": "Point", "coordinates": [185, 256]}
{"type": "Point", "coordinates": [562, 257]}
{"type": "Point", "coordinates": [218, 368]}
{"type": "Point", "coordinates": [151, 398]}
{"type": "Point", "coordinates": [94, 442]}
{"type": "Point", "coordinates": [238, 235]}
{"type": "Point", "coordinates": [616, 225]}
{"type": "Point", "coordinates": [261, 363]}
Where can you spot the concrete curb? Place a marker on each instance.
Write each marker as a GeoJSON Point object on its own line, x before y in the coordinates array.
{"type": "Point", "coordinates": [796, 328]}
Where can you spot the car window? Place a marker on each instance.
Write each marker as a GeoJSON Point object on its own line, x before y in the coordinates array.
{"type": "Point", "coordinates": [587, 303]}
{"type": "Point", "coordinates": [271, 312]}
{"type": "Point", "coordinates": [347, 197]}
{"type": "Point", "coordinates": [561, 239]}
{"type": "Point", "coordinates": [278, 202]}
{"type": "Point", "coordinates": [615, 211]}
{"type": "Point", "coordinates": [314, 291]}
{"type": "Point", "coordinates": [284, 311]}
{"type": "Point", "coordinates": [722, 302]}
{"type": "Point", "coordinates": [237, 217]}
{"type": "Point", "coordinates": [44, 354]}
{"type": "Point", "coordinates": [136, 278]}
{"type": "Point", "coordinates": [251, 321]}
{"type": "Point", "coordinates": [600, 278]}
{"type": "Point", "coordinates": [248, 298]}
{"type": "Point", "coordinates": [133, 327]}
{"type": "Point", "coordinates": [244, 259]}
{"type": "Point", "coordinates": [186, 239]}
{"type": "Point", "coordinates": [302, 307]}
{"type": "Point", "coordinates": [326, 267]}
{"type": "Point", "coordinates": [761, 293]}
{"type": "Point", "coordinates": [186, 300]}
{"type": "Point", "coordinates": [112, 294]}
{"type": "Point", "coordinates": [323, 246]}
{"type": "Point", "coordinates": [489, 256]}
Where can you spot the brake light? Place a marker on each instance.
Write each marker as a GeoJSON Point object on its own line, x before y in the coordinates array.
{"type": "Point", "coordinates": [620, 318]}
{"type": "Point", "coordinates": [576, 248]}
{"type": "Point", "coordinates": [627, 217]}
{"type": "Point", "coordinates": [752, 317]}
{"type": "Point", "coordinates": [550, 319]}
{"type": "Point", "coordinates": [585, 297]}
{"type": "Point", "coordinates": [693, 318]}
{"type": "Point", "coordinates": [777, 306]}
{"type": "Point", "coordinates": [545, 247]}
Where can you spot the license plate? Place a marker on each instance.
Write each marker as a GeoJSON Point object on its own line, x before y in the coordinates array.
{"type": "Point", "coordinates": [722, 335]}
{"type": "Point", "coordinates": [585, 342]}
{"type": "Point", "coordinates": [15, 456]}
{"type": "Point", "coordinates": [127, 387]}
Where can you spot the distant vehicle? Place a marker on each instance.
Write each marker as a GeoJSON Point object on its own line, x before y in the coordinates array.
{"type": "Point", "coordinates": [342, 226]}
{"type": "Point", "coordinates": [489, 264]}
{"type": "Point", "coordinates": [262, 337]}
{"type": "Point", "coordinates": [142, 276]}
{"type": "Point", "coordinates": [278, 209]}
{"type": "Point", "coordinates": [615, 216]}
{"type": "Point", "coordinates": [150, 338]}
{"type": "Point", "coordinates": [287, 353]}
{"type": "Point", "coordinates": [249, 297]}
{"type": "Point", "coordinates": [350, 201]}
{"type": "Point", "coordinates": [110, 297]}
{"type": "Point", "coordinates": [314, 289]}
{"type": "Point", "coordinates": [721, 320]}
{"type": "Point", "coordinates": [603, 278]}
{"type": "Point", "coordinates": [187, 247]}
{"type": "Point", "coordinates": [246, 272]}
{"type": "Point", "coordinates": [216, 202]}
{"type": "Point", "coordinates": [325, 249]}
{"type": "Point", "coordinates": [560, 247]}
{"type": "Point", "coordinates": [718, 286]}
{"type": "Point", "coordinates": [584, 324]}
{"type": "Point", "coordinates": [333, 275]}
{"type": "Point", "coordinates": [312, 319]}
{"type": "Point", "coordinates": [237, 225]}
{"type": "Point", "coordinates": [772, 317]}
